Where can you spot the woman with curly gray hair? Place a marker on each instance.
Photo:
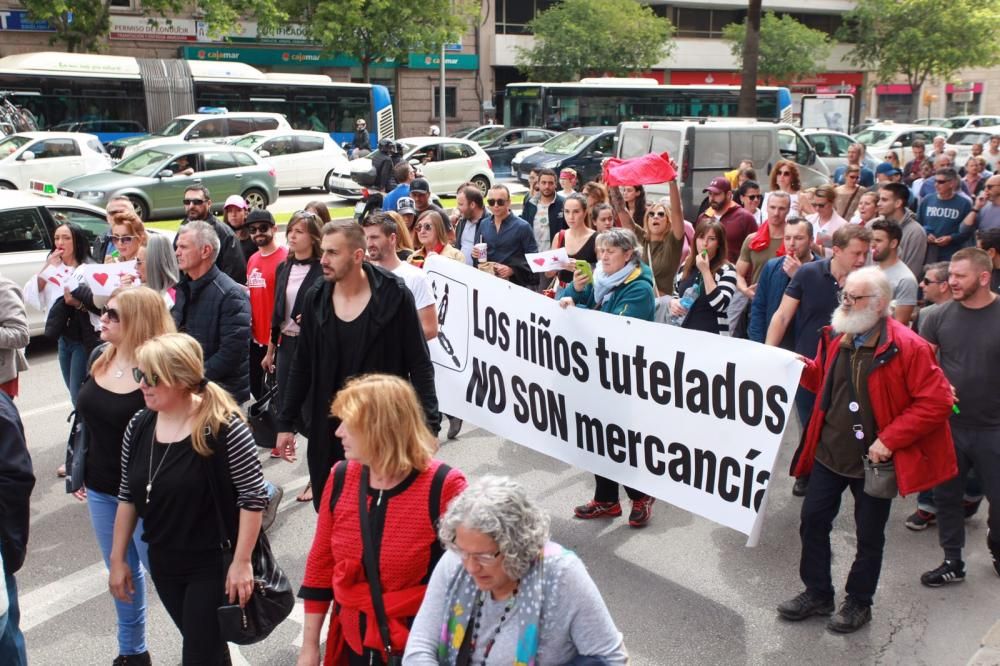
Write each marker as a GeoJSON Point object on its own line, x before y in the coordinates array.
{"type": "Point", "coordinates": [504, 593]}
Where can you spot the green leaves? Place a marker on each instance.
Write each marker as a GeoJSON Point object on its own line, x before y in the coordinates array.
{"type": "Point", "coordinates": [789, 50]}
{"type": "Point", "coordinates": [577, 38]}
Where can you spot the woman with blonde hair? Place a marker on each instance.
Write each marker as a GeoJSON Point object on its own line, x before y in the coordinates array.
{"type": "Point", "coordinates": [404, 241]}
{"type": "Point", "coordinates": [107, 401]}
{"type": "Point", "coordinates": [432, 238]}
{"type": "Point", "coordinates": [596, 193]}
{"type": "Point", "coordinates": [188, 463]}
{"type": "Point", "coordinates": [385, 497]}
{"type": "Point", "coordinates": [128, 234]}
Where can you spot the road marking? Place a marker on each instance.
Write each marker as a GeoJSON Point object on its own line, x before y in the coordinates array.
{"type": "Point", "coordinates": [42, 410]}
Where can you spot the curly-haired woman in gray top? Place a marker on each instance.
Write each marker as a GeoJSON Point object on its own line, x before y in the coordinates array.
{"type": "Point", "coordinates": [504, 593]}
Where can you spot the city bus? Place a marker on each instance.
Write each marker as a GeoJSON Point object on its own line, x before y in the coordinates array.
{"type": "Point", "coordinates": [66, 88]}
{"type": "Point", "coordinates": [609, 101]}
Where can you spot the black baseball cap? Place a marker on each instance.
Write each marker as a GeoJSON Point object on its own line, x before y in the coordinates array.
{"type": "Point", "coordinates": [260, 215]}
{"type": "Point", "coordinates": [420, 185]}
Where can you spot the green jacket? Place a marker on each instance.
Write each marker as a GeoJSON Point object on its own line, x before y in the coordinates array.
{"type": "Point", "coordinates": [635, 297]}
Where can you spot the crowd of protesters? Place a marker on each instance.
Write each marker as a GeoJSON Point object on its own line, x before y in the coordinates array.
{"type": "Point", "coordinates": [883, 283]}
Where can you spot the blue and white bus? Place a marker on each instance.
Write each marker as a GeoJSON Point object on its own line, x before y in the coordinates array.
{"type": "Point", "coordinates": [609, 101]}
{"type": "Point", "coordinates": [68, 88]}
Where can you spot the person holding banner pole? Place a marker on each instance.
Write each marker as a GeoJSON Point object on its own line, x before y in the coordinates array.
{"type": "Point", "coordinates": [621, 285]}
{"type": "Point", "coordinates": [881, 397]}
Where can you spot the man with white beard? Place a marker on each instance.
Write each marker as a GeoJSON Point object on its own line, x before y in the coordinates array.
{"type": "Point", "coordinates": [880, 394]}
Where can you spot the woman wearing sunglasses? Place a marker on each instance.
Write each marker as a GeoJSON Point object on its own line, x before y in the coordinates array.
{"type": "Point", "coordinates": [128, 234]}
{"type": "Point", "coordinates": [189, 471]}
{"type": "Point", "coordinates": [389, 466]}
{"type": "Point", "coordinates": [785, 178]}
{"type": "Point", "coordinates": [107, 401]}
{"type": "Point", "coordinates": [432, 238]}
{"type": "Point", "coordinates": [750, 199]}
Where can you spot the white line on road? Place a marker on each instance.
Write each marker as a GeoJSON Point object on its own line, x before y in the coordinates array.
{"type": "Point", "coordinates": [42, 410]}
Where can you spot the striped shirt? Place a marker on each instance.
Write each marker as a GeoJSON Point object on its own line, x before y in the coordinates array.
{"type": "Point", "coordinates": [718, 299]}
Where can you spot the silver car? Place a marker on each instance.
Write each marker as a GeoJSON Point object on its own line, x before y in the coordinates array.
{"type": "Point", "coordinates": [155, 179]}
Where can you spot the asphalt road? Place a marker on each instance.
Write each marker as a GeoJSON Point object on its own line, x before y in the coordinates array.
{"type": "Point", "coordinates": [683, 591]}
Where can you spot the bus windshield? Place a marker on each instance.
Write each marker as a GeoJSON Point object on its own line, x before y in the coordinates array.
{"type": "Point", "coordinates": [174, 127]}
{"type": "Point", "coordinates": [143, 163]}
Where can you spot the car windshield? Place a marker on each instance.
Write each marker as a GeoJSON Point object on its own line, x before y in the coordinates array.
{"type": "Point", "coordinates": [173, 128]}
{"type": "Point", "coordinates": [955, 123]}
{"type": "Point", "coordinates": [874, 137]}
{"type": "Point", "coordinates": [11, 144]}
{"type": "Point", "coordinates": [143, 163]}
{"type": "Point", "coordinates": [250, 140]}
{"type": "Point", "coordinates": [566, 143]}
{"type": "Point", "coordinates": [487, 136]}
{"type": "Point", "coordinates": [969, 138]}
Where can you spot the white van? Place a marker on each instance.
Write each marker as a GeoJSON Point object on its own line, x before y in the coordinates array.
{"type": "Point", "coordinates": [704, 149]}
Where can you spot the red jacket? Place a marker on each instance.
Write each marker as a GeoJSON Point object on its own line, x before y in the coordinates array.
{"type": "Point", "coordinates": [911, 400]}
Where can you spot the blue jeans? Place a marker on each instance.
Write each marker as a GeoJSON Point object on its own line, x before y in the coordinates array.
{"type": "Point", "coordinates": [131, 616]}
{"type": "Point", "coordinates": [73, 363]}
{"type": "Point", "coordinates": [12, 650]}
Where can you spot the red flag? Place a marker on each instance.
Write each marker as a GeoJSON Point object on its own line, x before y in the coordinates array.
{"type": "Point", "coordinates": [651, 169]}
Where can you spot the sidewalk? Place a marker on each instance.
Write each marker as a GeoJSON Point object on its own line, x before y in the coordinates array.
{"type": "Point", "coordinates": [989, 649]}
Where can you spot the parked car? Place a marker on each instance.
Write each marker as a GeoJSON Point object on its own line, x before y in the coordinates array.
{"type": "Point", "coordinates": [963, 140]}
{"type": "Point", "coordinates": [300, 158]}
{"type": "Point", "coordinates": [154, 179]}
{"type": "Point", "coordinates": [880, 139]}
{"type": "Point", "coordinates": [961, 122]}
{"type": "Point", "coordinates": [502, 144]}
{"type": "Point", "coordinates": [446, 163]}
{"type": "Point", "coordinates": [580, 148]}
{"type": "Point", "coordinates": [831, 148]}
{"type": "Point", "coordinates": [216, 127]}
{"type": "Point", "coordinates": [49, 156]}
{"type": "Point", "coordinates": [106, 130]}
{"type": "Point", "coordinates": [473, 133]}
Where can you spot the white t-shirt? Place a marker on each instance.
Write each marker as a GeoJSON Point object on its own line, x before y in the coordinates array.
{"type": "Point", "coordinates": [417, 282]}
{"type": "Point", "coordinates": [540, 225]}
{"type": "Point", "coordinates": [904, 285]}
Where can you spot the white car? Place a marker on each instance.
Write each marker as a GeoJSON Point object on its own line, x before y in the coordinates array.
{"type": "Point", "coordinates": [445, 162]}
{"type": "Point", "coordinates": [49, 156]}
{"type": "Point", "coordinates": [963, 140]}
{"type": "Point", "coordinates": [962, 122]}
{"type": "Point", "coordinates": [300, 158]}
{"type": "Point", "coordinates": [831, 148]}
{"type": "Point", "coordinates": [217, 127]}
{"type": "Point", "coordinates": [881, 138]}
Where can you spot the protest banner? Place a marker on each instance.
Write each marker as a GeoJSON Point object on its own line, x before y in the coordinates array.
{"type": "Point", "coordinates": [691, 418]}
{"type": "Point", "coordinates": [103, 279]}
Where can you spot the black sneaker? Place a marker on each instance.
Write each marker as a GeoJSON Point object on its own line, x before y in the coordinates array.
{"type": "Point", "coordinates": [920, 520]}
{"type": "Point", "coordinates": [454, 427]}
{"type": "Point", "coordinates": [851, 617]}
{"type": "Point", "coordinates": [642, 511]}
{"type": "Point", "coordinates": [805, 605]}
{"type": "Point", "coordinates": [950, 571]}
{"type": "Point", "coordinates": [595, 509]}
{"type": "Point", "coordinates": [800, 487]}
{"type": "Point", "coordinates": [133, 660]}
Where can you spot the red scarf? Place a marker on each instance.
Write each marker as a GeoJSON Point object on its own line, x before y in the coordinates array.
{"type": "Point", "coordinates": [762, 240]}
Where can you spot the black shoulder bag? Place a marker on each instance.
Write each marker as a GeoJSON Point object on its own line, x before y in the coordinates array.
{"type": "Point", "coordinates": [78, 443]}
{"type": "Point", "coordinates": [272, 599]}
{"type": "Point", "coordinates": [370, 559]}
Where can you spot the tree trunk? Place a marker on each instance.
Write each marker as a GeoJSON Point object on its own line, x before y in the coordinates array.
{"type": "Point", "coordinates": [366, 63]}
{"type": "Point", "coordinates": [751, 49]}
{"type": "Point", "coordinates": [916, 101]}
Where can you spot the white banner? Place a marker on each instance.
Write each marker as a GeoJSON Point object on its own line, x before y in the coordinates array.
{"type": "Point", "coordinates": [691, 418]}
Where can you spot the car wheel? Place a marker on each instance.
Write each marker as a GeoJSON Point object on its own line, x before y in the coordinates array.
{"type": "Point", "coordinates": [4, 185]}
{"type": "Point", "coordinates": [141, 209]}
{"type": "Point", "coordinates": [483, 183]}
{"type": "Point", "coordinates": [256, 199]}
{"type": "Point", "coordinates": [327, 184]}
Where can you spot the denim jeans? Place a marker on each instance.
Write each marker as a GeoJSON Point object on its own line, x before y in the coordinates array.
{"type": "Point", "coordinates": [131, 616]}
{"type": "Point", "coordinates": [12, 650]}
{"type": "Point", "coordinates": [73, 363]}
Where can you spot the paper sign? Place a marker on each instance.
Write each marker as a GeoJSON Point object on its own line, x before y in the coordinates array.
{"type": "Point", "coordinates": [552, 260]}
{"type": "Point", "coordinates": [103, 279]}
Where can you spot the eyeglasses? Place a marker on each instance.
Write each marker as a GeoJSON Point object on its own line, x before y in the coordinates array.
{"type": "Point", "coordinates": [784, 173]}
{"type": "Point", "coordinates": [754, 197]}
{"type": "Point", "coordinates": [850, 299]}
{"type": "Point", "coordinates": [193, 202]}
{"type": "Point", "coordinates": [927, 281]}
{"type": "Point", "coordinates": [141, 377]}
{"type": "Point", "coordinates": [111, 314]}
{"type": "Point", "coordinates": [425, 227]}
{"type": "Point", "coordinates": [497, 202]}
{"type": "Point", "coordinates": [259, 228]}
{"type": "Point", "coordinates": [484, 559]}
{"type": "Point", "coordinates": [657, 213]}
{"type": "Point", "coordinates": [122, 239]}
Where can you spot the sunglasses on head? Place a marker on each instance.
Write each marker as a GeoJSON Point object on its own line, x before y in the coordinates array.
{"type": "Point", "coordinates": [141, 377]}
{"type": "Point", "coordinates": [111, 314]}
{"type": "Point", "coordinates": [497, 202]}
{"type": "Point", "coordinates": [304, 213]}
{"type": "Point", "coordinates": [193, 202]}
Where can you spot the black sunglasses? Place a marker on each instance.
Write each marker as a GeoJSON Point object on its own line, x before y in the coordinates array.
{"type": "Point", "coordinates": [497, 202]}
{"type": "Point", "coordinates": [193, 202]}
{"type": "Point", "coordinates": [756, 197]}
{"type": "Point", "coordinates": [139, 376]}
{"type": "Point", "coordinates": [259, 228]}
{"type": "Point", "coordinates": [111, 314]}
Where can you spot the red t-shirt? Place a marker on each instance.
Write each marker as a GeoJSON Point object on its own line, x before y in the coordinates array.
{"type": "Point", "coordinates": [260, 281]}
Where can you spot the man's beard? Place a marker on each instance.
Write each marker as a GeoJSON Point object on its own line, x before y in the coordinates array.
{"type": "Point", "coordinates": [716, 205]}
{"type": "Point", "coordinates": [855, 321]}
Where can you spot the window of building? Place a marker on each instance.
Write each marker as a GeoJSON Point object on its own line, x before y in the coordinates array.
{"type": "Point", "coordinates": [513, 16]}
{"type": "Point", "coordinates": [450, 101]}
{"type": "Point", "coordinates": [121, 4]}
{"type": "Point", "coordinates": [953, 108]}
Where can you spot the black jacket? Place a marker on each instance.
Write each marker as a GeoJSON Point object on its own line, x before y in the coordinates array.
{"type": "Point", "coordinates": [556, 220]}
{"type": "Point", "coordinates": [16, 482]}
{"type": "Point", "coordinates": [361, 140]}
{"type": "Point", "coordinates": [383, 165]}
{"type": "Point", "coordinates": [394, 345]}
{"type": "Point", "coordinates": [215, 311]}
{"type": "Point", "coordinates": [281, 285]}
{"type": "Point", "coordinates": [230, 260]}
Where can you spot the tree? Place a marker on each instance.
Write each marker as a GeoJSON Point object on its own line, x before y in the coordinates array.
{"type": "Point", "coordinates": [922, 39]}
{"type": "Point", "coordinates": [83, 25]}
{"type": "Point", "coordinates": [749, 58]}
{"type": "Point", "coordinates": [579, 37]}
{"type": "Point", "coordinates": [378, 30]}
{"type": "Point", "coordinates": [788, 49]}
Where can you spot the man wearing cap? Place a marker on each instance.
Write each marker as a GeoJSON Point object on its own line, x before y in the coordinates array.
{"type": "Point", "coordinates": [229, 258]}
{"type": "Point", "coordinates": [420, 192]}
{"type": "Point", "coordinates": [885, 173]}
{"type": "Point", "coordinates": [234, 213]}
{"type": "Point", "coordinates": [404, 175]}
{"type": "Point", "coordinates": [855, 156]}
{"type": "Point", "coordinates": [262, 267]}
{"type": "Point", "coordinates": [737, 222]}
{"type": "Point", "coordinates": [407, 211]}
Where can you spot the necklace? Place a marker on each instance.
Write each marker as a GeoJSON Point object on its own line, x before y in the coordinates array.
{"type": "Point", "coordinates": [152, 474]}
{"type": "Point", "coordinates": [477, 623]}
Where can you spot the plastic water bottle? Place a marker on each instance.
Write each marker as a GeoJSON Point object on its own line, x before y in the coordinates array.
{"type": "Point", "coordinates": [690, 295]}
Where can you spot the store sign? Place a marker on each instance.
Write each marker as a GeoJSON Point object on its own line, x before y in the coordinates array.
{"type": "Point", "coordinates": [18, 20]}
{"type": "Point", "coordinates": [451, 61]}
{"type": "Point", "coordinates": [163, 30]}
{"type": "Point", "coordinates": [251, 56]}
{"type": "Point", "coordinates": [251, 31]}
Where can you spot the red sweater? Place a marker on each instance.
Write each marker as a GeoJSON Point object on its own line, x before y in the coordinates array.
{"type": "Point", "coordinates": [334, 569]}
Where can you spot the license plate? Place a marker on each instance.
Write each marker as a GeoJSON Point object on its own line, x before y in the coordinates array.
{"type": "Point", "coordinates": [65, 193]}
